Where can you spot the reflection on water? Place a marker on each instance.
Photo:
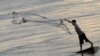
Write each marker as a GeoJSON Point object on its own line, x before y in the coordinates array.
{"type": "Point", "coordinates": [91, 51]}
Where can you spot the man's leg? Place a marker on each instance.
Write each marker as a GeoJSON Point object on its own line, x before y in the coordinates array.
{"type": "Point", "coordinates": [81, 41]}
{"type": "Point", "coordinates": [91, 43]}
{"type": "Point", "coordinates": [80, 47]}
{"type": "Point", "coordinates": [87, 40]}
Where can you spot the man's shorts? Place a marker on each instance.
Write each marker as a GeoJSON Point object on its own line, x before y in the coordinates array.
{"type": "Point", "coordinates": [83, 38]}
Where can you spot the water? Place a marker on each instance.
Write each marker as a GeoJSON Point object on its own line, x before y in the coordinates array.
{"type": "Point", "coordinates": [46, 38]}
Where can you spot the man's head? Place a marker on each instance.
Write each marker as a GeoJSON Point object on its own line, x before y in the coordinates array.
{"type": "Point", "coordinates": [73, 22]}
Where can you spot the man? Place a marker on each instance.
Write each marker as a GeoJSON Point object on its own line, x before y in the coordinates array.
{"type": "Point", "coordinates": [80, 33]}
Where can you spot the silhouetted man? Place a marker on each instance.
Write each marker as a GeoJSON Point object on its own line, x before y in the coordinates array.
{"type": "Point", "coordinates": [80, 33]}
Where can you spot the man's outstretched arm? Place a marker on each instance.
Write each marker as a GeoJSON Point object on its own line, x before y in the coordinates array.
{"type": "Point", "coordinates": [68, 20]}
